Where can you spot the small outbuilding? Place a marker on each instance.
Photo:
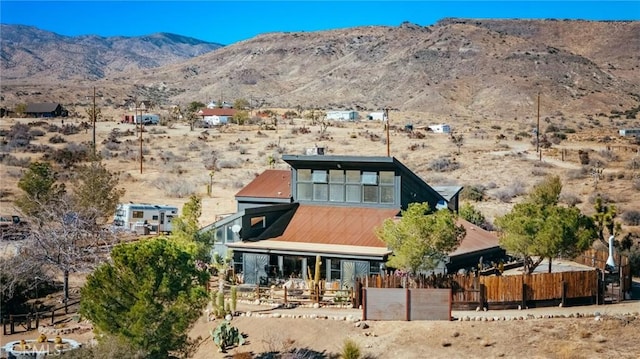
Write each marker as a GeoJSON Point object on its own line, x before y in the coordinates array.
{"type": "Point", "coordinates": [45, 109]}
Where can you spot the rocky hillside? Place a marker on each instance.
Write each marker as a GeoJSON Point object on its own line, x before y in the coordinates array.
{"type": "Point", "coordinates": [474, 69]}
{"type": "Point", "coordinates": [30, 54]}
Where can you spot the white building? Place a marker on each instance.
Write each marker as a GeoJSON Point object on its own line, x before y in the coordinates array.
{"type": "Point", "coordinates": [441, 128]}
{"type": "Point", "coordinates": [342, 115]}
{"type": "Point", "coordinates": [377, 116]}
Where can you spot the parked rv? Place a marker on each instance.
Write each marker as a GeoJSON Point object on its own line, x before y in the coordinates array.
{"type": "Point", "coordinates": [144, 218]}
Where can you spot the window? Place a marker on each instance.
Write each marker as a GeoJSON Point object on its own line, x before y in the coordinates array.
{"type": "Point", "coordinates": [336, 192]}
{"type": "Point", "coordinates": [354, 193]}
{"type": "Point", "coordinates": [259, 222]}
{"type": "Point", "coordinates": [319, 176]}
{"type": "Point", "coordinates": [154, 217]}
{"type": "Point", "coordinates": [305, 191]}
{"type": "Point", "coordinates": [137, 214]}
{"type": "Point", "coordinates": [370, 194]}
{"type": "Point", "coordinates": [370, 178]}
{"type": "Point", "coordinates": [386, 194]}
{"type": "Point", "coordinates": [335, 269]}
{"type": "Point", "coordinates": [219, 235]}
{"type": "Point", "coordinates": [320, 192]}
{"type": "Point", "coordinates": [353, 176]}
{"type": "Point", "coordinates": [386, 177]}
{"type": "Point", "coordinates": [336, 176]}
{"type": "Point", "coordinates": [304, 175]}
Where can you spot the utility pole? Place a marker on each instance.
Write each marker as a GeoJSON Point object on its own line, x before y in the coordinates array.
{"type": "Point", "coordinates": [141, 130]}
{"type": "Point", "coordinates": [94, 115]}
{"type": "Point", "coordinates": [386, 115]}
{"type": "Point", "coordinates": [538, 128]}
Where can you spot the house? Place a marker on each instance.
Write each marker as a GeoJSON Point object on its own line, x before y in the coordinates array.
{"type": "Point", "coordinates": [329, 206]}
{"type": "Point", "coordinates": [144, 105]}
{"type": "Point", "coordinates": [628, 132]}
{"type": "Point", "coordinates": [440, 128]}
{"type": "Point", "coordinates": [342, 115]}
{"type": "Point", "coordinates": [216, 116]}
{"type": "Point", "coordinates": [45, 109]}
{"type": "Point", "coordinates": [377, 116]}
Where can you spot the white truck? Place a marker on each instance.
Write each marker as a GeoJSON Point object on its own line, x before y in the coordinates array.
{"type": "Point", "coordinates": [144, 218]}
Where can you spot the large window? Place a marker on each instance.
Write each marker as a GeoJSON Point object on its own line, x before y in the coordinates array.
{"type": "Point", "coordinates": [137, 214]}
{"type": "Point", "coordinates": [352, 186]}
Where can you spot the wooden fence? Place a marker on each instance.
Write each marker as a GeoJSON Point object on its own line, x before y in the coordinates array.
{"type": "Point", "coordinates": [470, 291]}
{"type": "Point", "coordinates": [406, 304]}
{"type": "Point", "coordinates": [32, 320]}
{"type": "Point", "coordinates": [598, 258]}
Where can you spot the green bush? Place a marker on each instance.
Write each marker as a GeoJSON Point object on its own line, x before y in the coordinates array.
{"type": "Point", "coordinates": [350, 349]}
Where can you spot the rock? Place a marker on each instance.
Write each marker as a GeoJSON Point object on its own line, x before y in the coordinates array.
{"type": "Point", "coordinates": [276, 315]}
{"type": "Point", "coordinates": [362, 325]}
{"type": "Point", "coordinates": [228, 317]}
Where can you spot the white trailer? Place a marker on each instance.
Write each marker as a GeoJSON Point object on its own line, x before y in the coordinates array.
{"type": "Point", "coordinates": [144, 217]}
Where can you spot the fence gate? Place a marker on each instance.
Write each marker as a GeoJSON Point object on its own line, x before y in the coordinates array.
{"type": "Point", "coordinates": [352, 270]}
{"type": "Point", "coordinates": [255, 267]}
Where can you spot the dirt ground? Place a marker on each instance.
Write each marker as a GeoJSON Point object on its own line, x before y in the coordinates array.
{"type": "Point", "coordinates": [174, 163]}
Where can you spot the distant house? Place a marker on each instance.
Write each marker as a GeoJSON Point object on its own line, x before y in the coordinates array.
{"type": "Point", "coordinates": [626, 132]}
{"type": "Point", "coordinates": [139, 106]}
{"type": "Point", "coordinates": [216, 116]}
{"type": "Point", "coordinates": [45, 109]}
{"type": "Point", "coordinates": [342, 115]}
{"type": "Point", "coordinates": [440, 128]}
{"type": "Point", "coordinates": [329, 206]}
{"type": "Point", "coordinates": [377, 116]}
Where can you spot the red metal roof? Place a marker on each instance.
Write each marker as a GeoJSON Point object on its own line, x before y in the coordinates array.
{"type": "Point", "coordinates": [217, 112]}
{"type": "Point", "coordinates": [269, 184]}
{"type": "Point", "coordinates": [476, 239]}
{"type": "Point", "coordinates": [332, 225]}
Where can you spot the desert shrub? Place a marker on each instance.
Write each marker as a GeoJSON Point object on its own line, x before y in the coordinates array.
{"type": "Point", "coordinates": [53, 128]}
{"type": "Point", "coordinates": [243, 150]}
{"type": "Point", "coordinates": [112, 146]}
{"type": "Point", "coordinates": [57, 139]}
{"type": "Point", "coordinates": [473, 193]}
{"type": "Point", "coordinates": [106, 154]}
{"type": "Point", "coordinates": [578, 173]}
{"type": "Point", "coordinates": [18, 136]}
{"type": "Point", "coordinates": [36, 132]}
{"type": "Point", "coordinates": [69, 129]}
{"type": "Point", "coordinates": [157, 131]}
{"type": "Point", "coordinates": [11, 160]}
{"type": "Point", "coordinates": [538, 172]}
{"type": "Point", "coordinates": [513, 190]}
{"type": "Point", "coordinates": [175, 188]}
{"type": "Point", "coordinates": [350, 349]}
{"type": "Point", "coordinates": [234, 163]}
{"type": "Point", "coordinates": [609, 156]}
{"type": "Point", "coordinates": [14, 172]}
{"type": "Point", "coordinates": [631, 217]}
{"type": "Point", "coordinates": [570, 199]}
{"type": "Point", "coordinates": [634, 164]}
{"type": "Point", "coordinates": [606, 198]}
{"type": "Point", "coordinates": [584, 157]}
{"type": "Point", "coordinates": [552, 128]}
{"type": "Point", "coordinates": [177, 169]}
{"type": "Point", "coordinates": [72, 153]}
{"type": "Point", "coordinates": [443, 164]}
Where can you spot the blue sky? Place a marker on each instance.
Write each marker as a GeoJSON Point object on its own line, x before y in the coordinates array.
{"type": "Point", "coordinates": [227, 22]}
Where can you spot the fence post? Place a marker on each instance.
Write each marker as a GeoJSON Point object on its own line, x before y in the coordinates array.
{"type": "Point", "coordinates": [357, 298]}
{"type": "Point", "coordinates": [285, 295]}
{"type": "Point", "coordinates": [11, 324]}
{"type": "Point", "coordinates": [524, 294]}
{"type": "Point", "coordinates": [564, 293]}
{"type": "Point", "coordinates": [407, 314]}
{"type": "Point", "coordinates": [37, 321]}
{"type": "Point", "coordinates": [364, 303]}
{"type": "Point", "coordinates": [53, 315]}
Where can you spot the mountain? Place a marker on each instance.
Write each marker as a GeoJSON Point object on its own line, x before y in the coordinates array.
{"type": "Point", "coordinates": [476, 69]}
{"type": "Point", "coordinates": [30, 54]}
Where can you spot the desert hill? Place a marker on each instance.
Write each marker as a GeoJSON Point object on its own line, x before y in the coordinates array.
{"type": "Point", "coordinates": [31, 55]}
{"type": "Point", "coordinates": [462, 68]}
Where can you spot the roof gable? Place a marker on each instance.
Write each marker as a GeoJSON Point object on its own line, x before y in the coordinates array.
{"type": "Point", "coordinates": [336, 225]}
{"type": "Point", "coordinates": [42, 107]}
{"type": "Point", "coordinates": [269, 184]}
